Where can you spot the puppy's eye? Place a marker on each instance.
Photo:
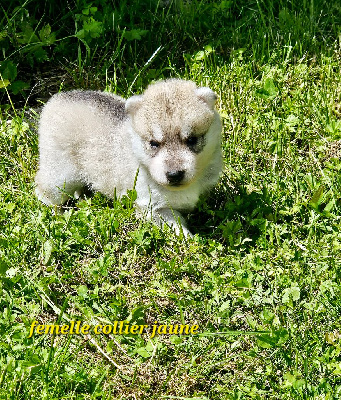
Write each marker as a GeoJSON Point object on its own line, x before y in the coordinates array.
{"type": "Point", "coordinates": [154, 144]}
{"type": "Point", "coordinates": [191, 141]}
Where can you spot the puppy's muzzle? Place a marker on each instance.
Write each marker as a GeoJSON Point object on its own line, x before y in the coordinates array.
{"type": "Point", "coordinates": [175, 177]}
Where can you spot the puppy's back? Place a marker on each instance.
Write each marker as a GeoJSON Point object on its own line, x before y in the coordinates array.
{"type": "Point", "coordinates": [105, 103]}
{"type": "Point", "coordinates": [75, 114]}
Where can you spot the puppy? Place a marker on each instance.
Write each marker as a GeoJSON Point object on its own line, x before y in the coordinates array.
{"type": "Point", "coordinates": [169, 138]}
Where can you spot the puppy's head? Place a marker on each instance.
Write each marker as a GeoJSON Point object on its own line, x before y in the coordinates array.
{"type": "Point", "coordinates": [175, 131]}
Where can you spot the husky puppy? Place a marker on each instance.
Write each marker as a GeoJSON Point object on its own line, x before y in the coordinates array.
{"type": "Point", "coordinates": [169, 137]}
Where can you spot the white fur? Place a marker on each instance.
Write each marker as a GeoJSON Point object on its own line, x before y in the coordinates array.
{"type": "Point", "coordinates": [101, 140]}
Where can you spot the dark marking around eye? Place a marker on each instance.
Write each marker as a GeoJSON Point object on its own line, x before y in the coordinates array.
{"type": "Point", "coordinates": [154, 144]}
{"type": "Point", "coordinates": [191, 141]}
{"type": "Point", "coordinates": [196, 143]}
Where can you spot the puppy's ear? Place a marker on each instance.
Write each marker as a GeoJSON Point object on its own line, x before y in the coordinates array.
{"type": "Point", "coordinates": [133, 104]}
{"type": "Point", "coordinates": [207, 95]}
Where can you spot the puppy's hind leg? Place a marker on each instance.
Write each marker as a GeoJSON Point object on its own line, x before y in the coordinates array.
{"type": "Point", "coordinates": [53, 188]}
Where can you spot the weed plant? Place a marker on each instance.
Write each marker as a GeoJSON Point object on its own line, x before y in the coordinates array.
{"type": "Point", "coordinates": [260, 277]}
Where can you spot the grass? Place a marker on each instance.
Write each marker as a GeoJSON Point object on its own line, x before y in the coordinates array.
{"type": "Point", "coordinates": [261, 277]}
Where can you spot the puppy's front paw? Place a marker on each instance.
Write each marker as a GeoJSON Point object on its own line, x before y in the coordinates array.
{"type": "Point", "coordinates": [174, 220]}
{"type": "Point", "coordinates": [182, 229]}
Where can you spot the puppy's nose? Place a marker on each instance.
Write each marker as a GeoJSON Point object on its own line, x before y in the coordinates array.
{"type": "Point", "coordinates": [175, 177]}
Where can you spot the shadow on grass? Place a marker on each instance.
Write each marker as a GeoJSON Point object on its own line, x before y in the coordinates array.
{"type": "Point", "coordinates": [118, 39]}
{"type": "Point", "coordinates": [234, 215]}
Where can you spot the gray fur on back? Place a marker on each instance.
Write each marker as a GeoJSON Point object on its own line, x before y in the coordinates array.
{"type": "Point", "coordinates": [106, 103]}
